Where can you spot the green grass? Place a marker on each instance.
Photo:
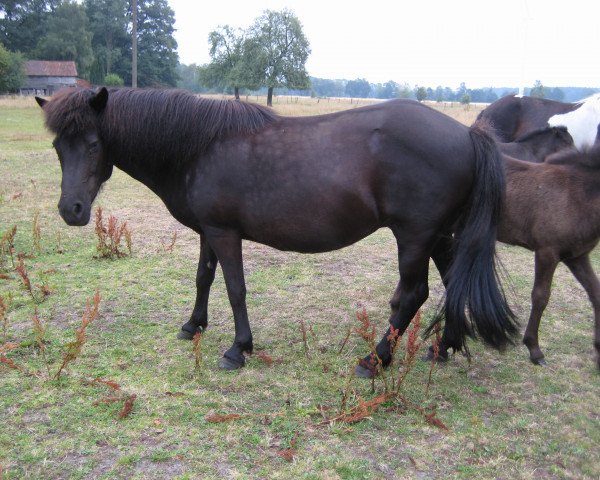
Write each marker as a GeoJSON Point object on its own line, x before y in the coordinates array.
{"type": "Point", "coordinates": [506, 418]}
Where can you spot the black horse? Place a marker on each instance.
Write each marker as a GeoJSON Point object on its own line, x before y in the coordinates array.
{"type": "Point", "coordinates": [232, 170]}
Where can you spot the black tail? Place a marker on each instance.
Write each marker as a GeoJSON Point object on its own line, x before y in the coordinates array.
{"type": "Point", "coordinates": [475, 303]}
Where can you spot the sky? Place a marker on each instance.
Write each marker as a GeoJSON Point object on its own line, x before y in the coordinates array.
{"type": "Point", "coordinates": [507, 43]}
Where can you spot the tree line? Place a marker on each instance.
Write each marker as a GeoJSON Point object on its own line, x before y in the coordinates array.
{"type": "Point", "coordinates": [95, 34]}
{"type": "Point", "coordinates": [268, 57]}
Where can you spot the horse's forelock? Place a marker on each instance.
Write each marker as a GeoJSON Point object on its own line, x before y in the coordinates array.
{"type": "Point", "coordinates": [68, 113]}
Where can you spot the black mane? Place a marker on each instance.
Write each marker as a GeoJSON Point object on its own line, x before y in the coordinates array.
{"type": "Point", "coordinates": [173, 121]}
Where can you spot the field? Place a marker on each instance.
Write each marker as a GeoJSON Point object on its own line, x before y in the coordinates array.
{"type": "Point", "coordinates": [137, 403]}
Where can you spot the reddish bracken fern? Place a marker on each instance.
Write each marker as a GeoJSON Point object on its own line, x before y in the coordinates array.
{"type": "Point", "coordinates": [110, 236]}
{"type": "Point", "coordinates": [37, 233]}
{"type": "Point", "coordinates": [74, 348]}
{"type": "Point", "coordinates": [127, 406]}
{"type": "Point", "coordinates": [197, 348]}
{"type": "Point", "coordinates": [3, 317]}
{"type": "Point", "coordinates": [7, 245]}
{"type": "Point", "coordinates": [392, 378]}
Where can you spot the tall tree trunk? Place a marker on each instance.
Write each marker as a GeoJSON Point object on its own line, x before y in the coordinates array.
{"type": "Point", "coordinates": [134, 45]}
{"type": "Point", "coordinates": [236, 92]}
{"type": "Point", "coordinates": [270, 97]}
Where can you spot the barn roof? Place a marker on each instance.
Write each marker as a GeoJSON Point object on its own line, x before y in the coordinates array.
{"type": "Point", "coordinates": [44, 68]}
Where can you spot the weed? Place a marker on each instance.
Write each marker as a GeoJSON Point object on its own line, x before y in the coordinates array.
{"type": "Point", "coordinates": [22, 271]}
{"type": "Point", "coordinates": [7, 245]}
{"type": "Point", "coordinates": [111, 235]}
{"type": "Point", "coordinates": [197, 348]}
{"type": "Point", "coordinates": [169, 248]}
{"type": "Point", "coordinates": [40, 338]}
{"type": "Point", "coordinates": [73, 349]}
{"type": "Point", "coordinates": [127, 406]}
{"type": "Point", "coordinates": [37, 233]}
{"type": "Point", "coordinates": [304, 339]}
{"type": "Point", "coordinates": [4, 317]}
{"type": "Point", "coordinates": [391, 380]}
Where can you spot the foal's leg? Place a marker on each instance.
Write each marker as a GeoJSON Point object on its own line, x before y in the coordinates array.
{"type": "Point", "coordinates": [227, 245]}
{"type": "Point", "coordinates": [411, 293]}
{"type": "Point", "coordinates": [204, 279]}
{"type": "Point", "coordinates": [545, 265]}
{"type": "Point", "coordinates": [584, 273]}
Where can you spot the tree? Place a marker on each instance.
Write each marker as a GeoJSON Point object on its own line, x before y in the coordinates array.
{"type": "Point", "coordinates": [189, 77]}
{"type": "Point", "coordinates": [23, 23]}
{"type": "Point", "coordinates": [109, 23]}
{"type": "Point", "coordinates": [420, 93]}
{"type": "Point", "coordinates": [537, 90]}
{"type": "Point", "coordinates": [226, 51]}
{"type": "Point", "coordinates": [359, 88]}
{"type": "Point", "coordinates": [327, 88]}
{"type": "Point", "coordinates": [113, 80]}
{"type": "Point", "coordinates": [276, 51]}
{"type": "Point", "coordinates": [68, 37]}
{"type": "Point", "coordinates": [11, 70]}
{"type": "Point", "coordinates": [157, 48]}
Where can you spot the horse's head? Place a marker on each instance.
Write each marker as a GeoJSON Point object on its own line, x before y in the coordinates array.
{"type": "Point", "coordinates": [73, 117]}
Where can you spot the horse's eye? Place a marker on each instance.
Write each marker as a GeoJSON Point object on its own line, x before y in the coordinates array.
{"type": "Point", "coordinates": [93, 147]}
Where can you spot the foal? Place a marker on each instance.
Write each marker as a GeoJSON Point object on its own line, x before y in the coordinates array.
{"type": "Point", "coordinates": [552, 209]}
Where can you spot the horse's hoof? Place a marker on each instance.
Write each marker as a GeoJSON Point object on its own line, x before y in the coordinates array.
{"type": "Point", "coordinates": [228, 364]}
{"type": "Point", "coordinates": [442, 357]}
{"type": "Point", "coordinates": [539, 361]}
{"type": "Point", "coordinates": [185, 335]}
{"type": "Point", "coordinates": [362, 372]}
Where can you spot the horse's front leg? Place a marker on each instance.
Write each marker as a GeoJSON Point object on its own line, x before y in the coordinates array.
{"type": "Point", "coordinates": [227, 246]}
{"type": "Point", "coordinates": [545, 265]}
{"type": "Point", "coordinates": [207, 265]}
{"type": "Point", "coordinates": [584, 273]}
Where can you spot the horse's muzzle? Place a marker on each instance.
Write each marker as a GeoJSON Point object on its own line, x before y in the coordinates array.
{"type": "Point", "coordinates": [75, 213]}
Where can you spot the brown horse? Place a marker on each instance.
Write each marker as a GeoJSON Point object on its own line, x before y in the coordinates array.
{"type": "Point", "coordinates": [513, 116]}
{"type": "Point", "coordinates": [538, 144]}
{"type": "Point", "coordinates": [235, 171]}
{"type": "Point", "coordinates": [553, 209]}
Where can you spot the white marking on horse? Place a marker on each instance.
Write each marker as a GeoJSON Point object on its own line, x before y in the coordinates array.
{"type": "Point", "coordinates": [581, 123]}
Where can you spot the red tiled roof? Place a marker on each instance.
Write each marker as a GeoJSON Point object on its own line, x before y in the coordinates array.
{"type": "Point", "coordinates": [43, 68]}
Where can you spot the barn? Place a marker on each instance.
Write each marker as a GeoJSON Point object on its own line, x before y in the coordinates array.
{"type": "Point", "coordinates": [46, 77]}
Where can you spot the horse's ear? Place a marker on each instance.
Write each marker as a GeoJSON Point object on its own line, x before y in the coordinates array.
{"type": "Point", "coordinates": [98, 101]}
{"type": "Point", "coordinates": [41, 102]}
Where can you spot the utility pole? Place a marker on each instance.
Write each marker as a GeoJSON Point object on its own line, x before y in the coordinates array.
{"type": "Point", "coordinates": [134, 45]}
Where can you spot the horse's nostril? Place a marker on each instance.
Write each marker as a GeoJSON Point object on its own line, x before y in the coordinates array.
{"type": "Point", "coordinates": [77, 208]}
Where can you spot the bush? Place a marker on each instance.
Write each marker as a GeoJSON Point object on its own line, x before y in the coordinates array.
{"type": "Point", "coordinates": [113, 80]}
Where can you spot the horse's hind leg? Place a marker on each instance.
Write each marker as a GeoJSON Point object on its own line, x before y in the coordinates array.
{"type": "Point", "coordinates": [584, 273]}
{"type": "Point", "coordinates": [442, 258]}
{"type": "Point", "coordinates": [545, 265]}
{"type": "Point", "coordinates": [204, 279]}
{"type": "Point", "coordinates": [410, 294]}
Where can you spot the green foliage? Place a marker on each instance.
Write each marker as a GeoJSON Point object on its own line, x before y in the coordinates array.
{"type": "Point", "coordinates": [359, 88]}
{"type": "Point", "coordinates": [537, 90]}
{"type": "Point", "coordinates": [11, 70]}
{"type": "Point", "coordinates": [24, 23]}
{"type": "Point", "coordinates": [111, 42]}
{"type": "Point", "coordinates": [157, 48]}
{"type": "Point", "coordinates": [420, 93]}
{"type": "Point", "coordinates": [96, 35]}
{"type": "Point", "coordinates": [67, 37]}
{"type": "Point", "coordinates": [113, 80]}
{"type": "Point", "coordinates": [281, 49]}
